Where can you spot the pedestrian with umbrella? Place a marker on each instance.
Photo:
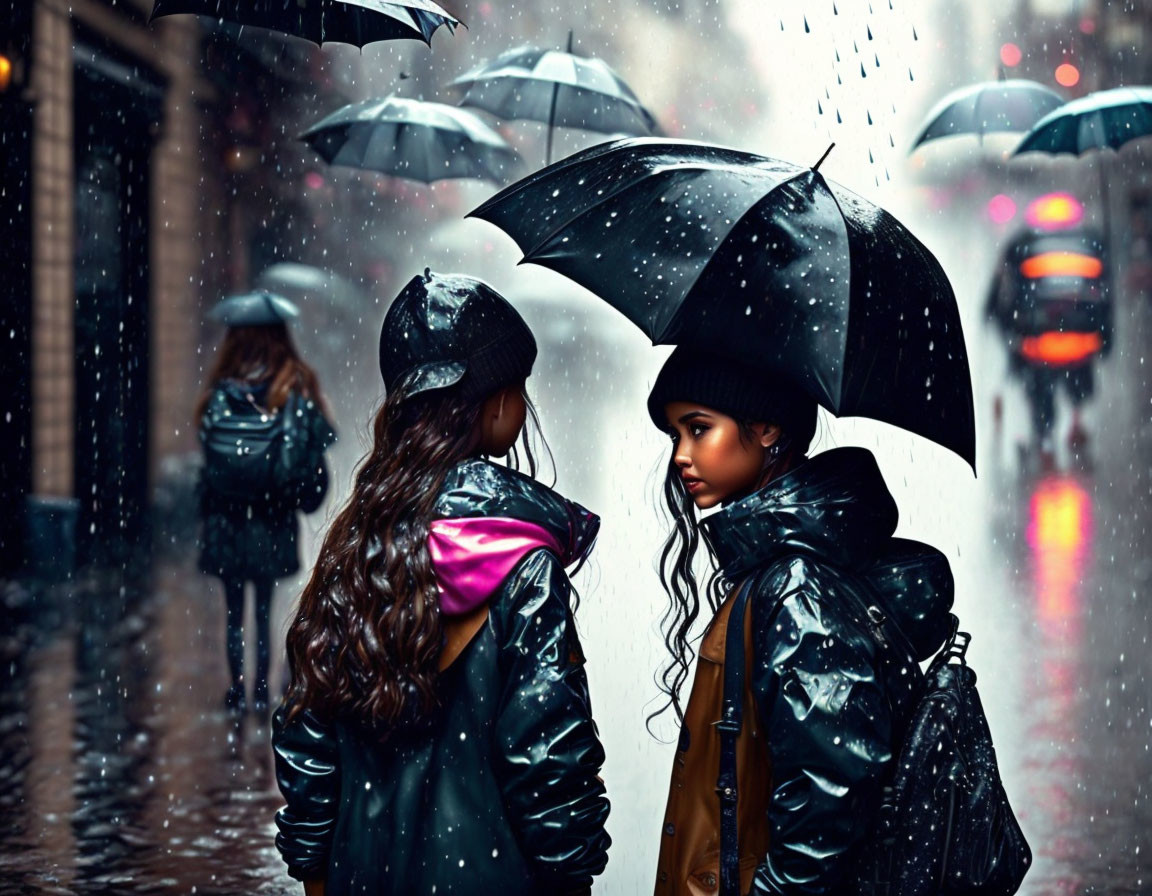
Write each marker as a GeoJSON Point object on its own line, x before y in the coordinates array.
{"type": "Point", "coordinates": [784, 292]}
{"type": "Point", "coordinates": [413, 139]}
{"type": "Point", "coordinates": [560, 89]}
{"type": "Point", "coordinates": [263, 429]}
{"type": "Point", "coordinates": [1107, 119]}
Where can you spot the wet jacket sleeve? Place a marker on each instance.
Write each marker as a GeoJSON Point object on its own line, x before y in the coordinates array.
{"type": "Point", "coordinates": [308, 772]}
{"type": "Point", "coordinates": [829, 729]}
{"type": "Point", "coordinates": [546, 744]}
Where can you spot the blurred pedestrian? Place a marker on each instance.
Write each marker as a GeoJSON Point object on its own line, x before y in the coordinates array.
{"type": "Point", "coordinates": [437, 735]}
{"type": "Point", "coordinates": [264, 433]}
{"type": "Point", "coordinates": [801, 542]}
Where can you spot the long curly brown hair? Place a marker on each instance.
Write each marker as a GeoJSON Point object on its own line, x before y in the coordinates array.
{"type": "Point", "coordinates": [262, 353]}
{"type": "Point", "coordinates": [365, 643]}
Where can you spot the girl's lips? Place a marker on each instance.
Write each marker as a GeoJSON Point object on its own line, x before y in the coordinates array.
{"type": "Point", "coordinates": [692, 484]}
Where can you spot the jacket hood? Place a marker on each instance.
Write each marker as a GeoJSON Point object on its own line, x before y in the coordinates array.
{"type": "Point", "coordinates": [836, 508]}
{"type": "Point", "coordinates": [487, 518]}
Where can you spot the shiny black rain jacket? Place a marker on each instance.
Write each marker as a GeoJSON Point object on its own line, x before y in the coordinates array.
{"type": "Point", "coordinates": [832, 703]}
{"type": "Point", "coordinates": [501, 794]}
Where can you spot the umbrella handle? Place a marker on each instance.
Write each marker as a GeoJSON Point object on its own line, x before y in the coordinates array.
{"type": "Point", "coordinates": [552, 110]}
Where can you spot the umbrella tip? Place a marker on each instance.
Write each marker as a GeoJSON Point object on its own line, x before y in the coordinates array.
{"type": "Point", "coordinates": [820, 161]}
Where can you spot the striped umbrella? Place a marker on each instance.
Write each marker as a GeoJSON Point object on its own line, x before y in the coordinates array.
{"type": "Point", "coordinates": [412, 139]}
{"type": "Point", "coordinates": [557, 88]}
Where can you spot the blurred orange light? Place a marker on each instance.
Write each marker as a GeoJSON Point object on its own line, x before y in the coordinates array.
{"type": "Point", "coordinates": [5, 72]}
{"type": "Point", "coordinates": [1055, 210]}
{"type": "Point", "coordinates": [1010, 55]}
{"type": "Point", "coordinates": [1061, 264]}
{"type": "Point", "coordinates": [1067, 75]}
{"type": "Point", "coordinates": [1060, 348]}
{"type": "Point", "coordinates": [1059, 533]}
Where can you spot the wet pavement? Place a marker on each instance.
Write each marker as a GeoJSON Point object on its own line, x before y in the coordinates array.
{"type": "Point", "coordinates": [121, 773]}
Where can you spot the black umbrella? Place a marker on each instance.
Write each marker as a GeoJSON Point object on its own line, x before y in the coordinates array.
{"type": "Point", "coordinates": [559, 89]}
{"type": "Point", "coordinates": [1108, 118]}
{"type": "Point", "coordinates": [356, 22]}
{"type": "Point", "coordinates": [413, 139]}
{"type": "Point", "coordinates": [989, 107]}
{"type": "Point", "coordinates": [764, 260]}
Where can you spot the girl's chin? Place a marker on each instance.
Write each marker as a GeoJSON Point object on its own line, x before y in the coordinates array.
{"type": "Point", "coordinates": [706, 501]}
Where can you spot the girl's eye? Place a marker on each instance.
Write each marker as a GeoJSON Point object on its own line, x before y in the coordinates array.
{"type": "Point", "coordinates": [697, 430]}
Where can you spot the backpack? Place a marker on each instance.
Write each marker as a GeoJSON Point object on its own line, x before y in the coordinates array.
{"type": "Point", "coordinates": [273, 457]}
{"type": "Point", "coordinates": [945, 825]}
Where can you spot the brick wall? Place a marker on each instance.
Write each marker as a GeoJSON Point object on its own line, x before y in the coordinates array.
{"type": "Point", "coordinates": [52, 200]}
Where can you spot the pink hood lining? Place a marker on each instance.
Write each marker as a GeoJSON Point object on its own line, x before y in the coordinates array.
{"type": "Point", "coordinates": [472, 556]}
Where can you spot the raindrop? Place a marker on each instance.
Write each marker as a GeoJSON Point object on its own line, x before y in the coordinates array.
{"type": "Point", "coordinates": [876, 56]}
{"type": "Point", "coordinates": [781, 24]}
{"type": "Point", "coordinates": [837, 55]}
{"type": "Point", "coordinates": [835, 11]}
{"type": "Point", "coordinates": [869, 29]}
{"type": "Point", "coordinates": [819, 108]}
{"type": "Point", "coordinates": [807, 30]}
{"type": "Point", "coordinates": [915, 36]}
{"type": "Point", "coordinates": [869, 114]}
{"type": "Point", "coordinates": [910, 78]}
{"type": "Point", "coordinates": [839, 120]}
{"type": "Point", "coordinates": [863, 74]}
{"type": "Point", "coordinates": [870, 159]}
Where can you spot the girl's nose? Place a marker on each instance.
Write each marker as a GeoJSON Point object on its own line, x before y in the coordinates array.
{"type": "Point", "coordinates": [682, 460]}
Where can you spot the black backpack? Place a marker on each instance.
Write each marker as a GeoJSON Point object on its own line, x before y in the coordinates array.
{"type": "Point", "coordinates": [945, 825]}
{"type": "Point", "coordinates": [271, 457]}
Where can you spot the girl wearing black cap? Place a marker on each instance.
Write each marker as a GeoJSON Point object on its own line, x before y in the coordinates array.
{"type": "Point", "coordinates": [775, 789]}
{"type": "Point", "coordinates": [437, 736]}
{"type": "Point", "coordinates": [258, 385]}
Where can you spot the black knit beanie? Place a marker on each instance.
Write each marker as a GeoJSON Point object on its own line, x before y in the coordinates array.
{"type": "Point", "coordinates": [736, 389]}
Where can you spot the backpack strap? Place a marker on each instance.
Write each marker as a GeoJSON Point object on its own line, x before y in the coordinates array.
{"type": "Point", "coordinates": [729, 725]}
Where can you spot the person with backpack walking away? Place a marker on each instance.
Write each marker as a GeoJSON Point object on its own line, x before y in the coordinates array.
{"type": "Point", "coordinates": [800, 701]}
{"type": "Point", "coordinates": [264, 433]}
{"type": "Point", "coordinates": [437, 736]}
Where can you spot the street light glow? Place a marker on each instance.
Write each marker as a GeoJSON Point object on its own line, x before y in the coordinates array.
{"type": "Point", "coordinates": [5, 73]}
{"type": "Point", "coordinates": [1067, 75]}
{"type": "Point", "coordinates": [1010, 55]}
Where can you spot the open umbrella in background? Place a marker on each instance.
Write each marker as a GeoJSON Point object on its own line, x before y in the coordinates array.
{"type": "Point", "coordinates": [413, 139]}
{"type": "Point", "coordinates": [311, 283]}
{"type": "Point", "coordinates": [1106, 119]}
{"type": "Point", "coordinates": [760, 259]}
{"type": "Point", "coordinates": [560, 89]}
{"type": "Point", "coordinates": [988, 107]}
{"type": "Point", "coordinates": [357, 22]}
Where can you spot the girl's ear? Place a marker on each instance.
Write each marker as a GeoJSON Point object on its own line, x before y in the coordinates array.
{"type": "Point", "coordinates": [769, 435]}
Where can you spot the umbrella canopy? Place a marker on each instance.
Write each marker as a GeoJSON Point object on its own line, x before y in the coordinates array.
{"type": "Point", "coordinates": [413, 139]}
{"type": "Point", "coordinates": [989, 107]}
{"type": "Point", "coordinates": [294, 278]}
{"type": "Point", "coordinates": [764, 260]}
{"type": "Point", "coordinates": [258, 308]}
{"type": "Point", "coordinates": [356, 22]}
{"type": "Point", "coordinates": [1108, 118]}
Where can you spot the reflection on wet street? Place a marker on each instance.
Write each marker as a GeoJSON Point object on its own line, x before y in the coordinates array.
{"type": "Point", "coordinates": [119, 770]}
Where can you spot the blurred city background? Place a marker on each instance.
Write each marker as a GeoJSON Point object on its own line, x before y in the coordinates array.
{"type": "Point", "coordinates": [150, 169]}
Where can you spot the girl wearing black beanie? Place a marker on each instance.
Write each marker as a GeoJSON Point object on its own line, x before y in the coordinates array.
{"type": "Point", "coordinates": [437, 736]}
{"type": "Point", "coordinates": [796, 545]}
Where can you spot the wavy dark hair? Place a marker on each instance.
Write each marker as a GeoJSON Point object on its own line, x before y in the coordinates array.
{"type": "Point", "coordinates": [365, 642]}
{"type": "Point", "coordinates": [677, 575]}
{"type": "Point", "coordinates": [262, 353]}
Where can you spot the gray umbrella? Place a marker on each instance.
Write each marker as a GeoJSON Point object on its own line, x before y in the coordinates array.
{"type": "Point", "coordinates": [259, 308]}
{"type": "Point", "coordinates": [413, 139]}
{"type": "Point", "coordinates": [356, 22]}
{"type": "Point", "coordinates": [557, 88]}
{"type": "Point", "coordinates": [310, 282]}
{"type": "Point", "coordinates": [989, 107]}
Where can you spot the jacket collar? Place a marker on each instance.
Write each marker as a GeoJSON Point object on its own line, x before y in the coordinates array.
{"type": "Point", "coordinates": [480, 488]}
{"type": "Point", "coordinates": [836, 508]}
{"type": "Point", "coordinates": [834, 505]}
